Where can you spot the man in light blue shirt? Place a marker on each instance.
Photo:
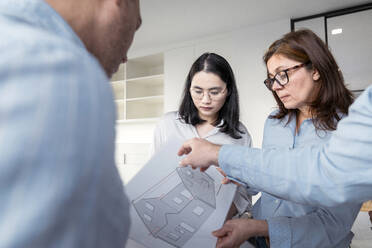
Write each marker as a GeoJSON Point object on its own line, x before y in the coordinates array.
{"type": "Point", "coordinates": [58, 181]}
{"type": "Point", "coordinates": [329, 175]}
{"type": "Point", "coordinates": [338, 172]}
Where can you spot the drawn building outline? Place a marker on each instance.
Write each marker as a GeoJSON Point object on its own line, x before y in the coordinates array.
{"type": "Point", "coordinates": [176, 216]}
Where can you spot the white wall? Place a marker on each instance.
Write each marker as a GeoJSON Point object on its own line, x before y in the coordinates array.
{"type": "Point", "coordinates": [243, 49]}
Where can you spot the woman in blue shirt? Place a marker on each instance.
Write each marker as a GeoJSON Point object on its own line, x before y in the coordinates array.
{"type": "Point", "coordinates": [311, 96]}
{"type": "Point", "coordinates": [309, 89]}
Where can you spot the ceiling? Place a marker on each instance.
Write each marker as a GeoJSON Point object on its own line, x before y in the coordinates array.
{"type": "Point", "coordinates": [174, 21]}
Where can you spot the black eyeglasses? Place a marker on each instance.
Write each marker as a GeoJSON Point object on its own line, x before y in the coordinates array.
{"type": "Point", "coordinates": [282, 76]}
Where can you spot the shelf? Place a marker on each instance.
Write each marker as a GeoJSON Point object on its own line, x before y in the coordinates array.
{"type": "Point", "coordinates": [139, 120]}
{"type": "Point", "coordinates": [145, 108]}
{"type": "Point", "coordinates": [145, 86]}
{"type": "Point", "coordinates": [138, 89]}
{"type": "Point", "coordinates": [120, 110]}
{"type": "Point", "coordinates": [117, 82]}
{"type": "Point", "coordinates": [146, 98]}
{"type": "Point", "coordinates": [145, 66]}
{"type": "Point", "coordinates": [118, 88]}
{"type": "Point", "coordinates": [147, 78]}
{"type": "Point", "coordinates": [120, 74]}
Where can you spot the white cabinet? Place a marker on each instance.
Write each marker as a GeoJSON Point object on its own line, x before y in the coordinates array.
{"type": "Point", "coordinates": [130, 158]}
{"type": "Point", "coordinates": [138, 88]}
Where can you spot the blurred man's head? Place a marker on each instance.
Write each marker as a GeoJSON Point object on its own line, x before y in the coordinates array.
{"type": "Point", "coordinates": [116, 25]}
{"type": "Point", "coordinates": [106, 27]}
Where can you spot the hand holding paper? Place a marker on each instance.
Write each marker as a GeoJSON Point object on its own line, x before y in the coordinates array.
{"type": "Point", "coordinates": [235, 232]}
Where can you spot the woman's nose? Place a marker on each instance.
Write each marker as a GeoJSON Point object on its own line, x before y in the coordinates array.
{"type": "Point", "coordinates": [276, 86]}
{"type": "Point", "coordinates": [206, 98]}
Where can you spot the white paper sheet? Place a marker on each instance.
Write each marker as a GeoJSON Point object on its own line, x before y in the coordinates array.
{"type": "Point", "coordinates": [176, 207]}
{"type": "Point", "coordinates": [362, 230]}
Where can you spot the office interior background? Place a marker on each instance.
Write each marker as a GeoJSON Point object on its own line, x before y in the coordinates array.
{"type": "Point", "coordinates": [175, 33]}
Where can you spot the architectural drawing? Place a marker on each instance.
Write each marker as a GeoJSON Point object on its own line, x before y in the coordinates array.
{"type": "Point", "coordinates": [174, 214]}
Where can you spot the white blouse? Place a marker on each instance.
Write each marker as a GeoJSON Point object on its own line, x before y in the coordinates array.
{"type": "Point", "coordinates": [171, 126]}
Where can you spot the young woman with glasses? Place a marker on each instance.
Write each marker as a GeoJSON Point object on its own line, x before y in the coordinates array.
{"type": "Point", "coordinates": [210, 110]}
{"type": "Point", "coordinates": [309, 89]}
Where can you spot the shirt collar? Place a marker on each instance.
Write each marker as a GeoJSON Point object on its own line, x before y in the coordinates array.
{"type": "Point", "coordinates": [39, 13]}
{"type": "Point", "coordinates": [214, 131]}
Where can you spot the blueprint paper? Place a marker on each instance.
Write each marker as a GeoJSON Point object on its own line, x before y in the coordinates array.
{"type": "Point", "coordinates": [172, 206]}
{"type": "Point", "coordinates": [362, 229]}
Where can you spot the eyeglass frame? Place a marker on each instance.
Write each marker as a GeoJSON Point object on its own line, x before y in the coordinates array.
{"type": "Point", "coordinates": [208, 93]}
{"type": "Point", "coordinates": [273, 79]}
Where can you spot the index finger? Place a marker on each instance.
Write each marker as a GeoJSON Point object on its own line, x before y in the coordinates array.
{"type": "Point", "coordinates": [224, 242]}
{"type": "Point", "coordinates": [185, 148]}
{"type": "Point", "coordinates": [220, 232]}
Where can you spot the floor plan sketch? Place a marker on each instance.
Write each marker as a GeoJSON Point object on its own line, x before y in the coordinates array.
{"type": "Point", "coordinates": [176, 215]}
{"type": "Point", "coordinates": [172, 206]}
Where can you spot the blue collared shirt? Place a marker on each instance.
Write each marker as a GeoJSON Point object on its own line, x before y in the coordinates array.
{"type": "Point", "coordinates": [296, 225]}
{"type": "Point", "coordinates": [337, 172]}
{"type": "Point", "coordinates": [59, 186]}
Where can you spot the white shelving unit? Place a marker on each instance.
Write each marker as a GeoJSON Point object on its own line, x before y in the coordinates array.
{"type": "Point", "coordinates": [139, 89]}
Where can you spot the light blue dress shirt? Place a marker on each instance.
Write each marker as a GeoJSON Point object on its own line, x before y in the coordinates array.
{"type": "Point", "coordinates": [337, 172]}
{"type": "Point", "coordinates": [297, 225]}
{"type": "Point", "coordinates": [59, 186]}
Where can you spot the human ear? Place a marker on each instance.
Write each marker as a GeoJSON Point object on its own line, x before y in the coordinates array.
{"type": "Point", "coordinates": [316, 75]}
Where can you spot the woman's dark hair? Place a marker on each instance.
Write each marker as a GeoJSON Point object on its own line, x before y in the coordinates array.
{"type": "Point", "coordinates": [332, 97]}
{"type": "Point", "coordinates": [229, 113]}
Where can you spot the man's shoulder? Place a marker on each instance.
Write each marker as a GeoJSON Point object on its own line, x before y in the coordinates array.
{"type": "Point", "coordinates": [25, 45]}
{"type": "Point", "coordinates": [44, 66]}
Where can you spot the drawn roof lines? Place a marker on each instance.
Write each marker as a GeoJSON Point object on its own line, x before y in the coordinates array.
{"type": "Point", "coordinates": [200, 185]}
{"type": "Point", "coordinates": [176, 215]}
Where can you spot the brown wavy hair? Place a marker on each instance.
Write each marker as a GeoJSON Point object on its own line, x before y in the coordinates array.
{"type": "Point", "coordinates": [332, 98]}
